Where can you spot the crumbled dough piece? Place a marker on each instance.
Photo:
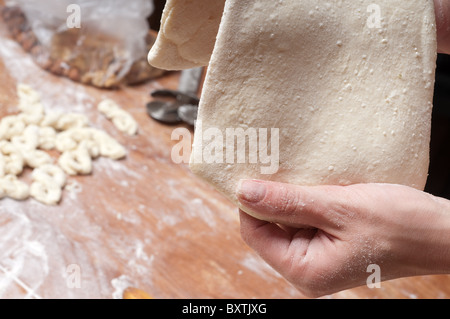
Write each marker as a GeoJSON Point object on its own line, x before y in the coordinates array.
{"type": "Point", "coordinates": [29, 140]}
{"type": "Point", "coordinates": [71, 139]}
{"type": "Point", "coordinates": [121, 119]}
{"type": "Point", "coordinates": [48, 183]}
{"type": "Point", "coordinates": [47, 138]}
{"type": "Point", "coordinates": [26, 144]}
{"type": "Point", "coordinates": [46, 193]}
{"type": "Point", "coordinates": [36, 158]}
{"type": "Point", "coordinates": [14, 188]}
{"type": "Point", "coordinates": [108, 107]}
{"type": "Point", "coordinates": [28, 97]}
{"type": "Point", "coordinates": [13, 159]}
{"type": "Point", "coordinates": [125, 123]}
{"type": "Point", "coordinates": [10, 126]}
{"type": "Point", "coordinates": [30, 105]}
{"type": "Point", "coordinates": [34, 117]}
{"type": "Point", "coordinates": [67, 140]}
{"type": "Point", "coordinates": [77, 161]}
{"type": "Point", "coordinates": [50, 119]}
{"type": "Point", "coordinates": [92, 146]}
{"type": "Point", "coordinates": [109, 147]}
{"type": "Point", "coordinates": [73, 186]}
{"type": "Point", "coordinates": [71, 120]}
{"type": "Point", "coordinates": [49, 173]}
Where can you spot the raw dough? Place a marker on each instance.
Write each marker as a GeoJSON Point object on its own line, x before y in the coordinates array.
{"type": "Point", "coordinates": [36, 158]}
{"type": "Point", "coordinates": [29, 140]}
{"type": "Point", "coordinates": [51, 119]}
{"type": "Point", "coordinates": [14, 188]}
{"type": "Point", "coordinates": [13, 160]}
{"type": "Point", "coordinates": [33, 117]}
{"type": "Point", "coordinates": [70, 139]}
{"type": "Point", "coordinates": [24, 137]}
{"type": "Point", "coordinates": [46, 193]}
{"type": "Point", "coordinates": [121, 119]}
{"type": "Point", "coordinates": [47, 185]}
{"type": "Point", "coordinates": [71, 120]}
{"type": "Point", "coordinates": [10, 126]}
{"type": "Point", "coordinates": [29, 104]}
{"type": "Point", "coordinates": [28, 97]}
{"type": "Point", "coordinates": [49, 174]}
{"type": "Point", "coordinates": [47, 137]}
{"type": "Point", "coordinates": [187, 34]}
{"type": "Point", "coordinates": [109, 147]}
{"type": "Point", "coordinates": [96, 141]}
{"type": "Point", "coordinates": [77, 161]}
{"type": "Point", "coordinates": [352, 101]}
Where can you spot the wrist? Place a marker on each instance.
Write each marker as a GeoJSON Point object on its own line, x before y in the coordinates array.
{"type": "Point", "coordinates": [431, 255]}
{"type": "Point", "coordinates": [442, 12]}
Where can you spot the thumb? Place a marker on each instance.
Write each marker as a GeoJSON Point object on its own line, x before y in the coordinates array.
{"type": "Point", "coordinates": [293, 205]}
{"type": "Point", "coordinates": [442, 10]}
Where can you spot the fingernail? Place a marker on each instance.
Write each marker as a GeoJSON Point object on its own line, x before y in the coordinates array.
{"type": "Point", "coordinates": [251, 191]}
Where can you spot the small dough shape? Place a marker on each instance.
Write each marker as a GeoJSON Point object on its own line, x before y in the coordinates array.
{"type": "Point", "coordinates": [71, 120]}
{"type": "Point", "coordinates": [47, 185]}
{"type": "Point", "coordinates": [51, 119]}
{"type": "Point", "coordinates": [72, 138]}
{"type": "Point", "coordinates": [76, 162]}
{"type": "Point", "coordinates": [121, 119]}
{"type": "Point", "coordinates": [109, 147]}
{"type": "Point", "coordinates": [10, 126]}
{"type": "Point", "coordinates": [46, 193]}
{"type": "Point", "coordinates": [67, 140]}
{"type": "Point", "coordinates": [13, 159]}
{"type": "Point", "coordinates": [33, 117]}
{"type": "Point", "coordinates": [29, 140]}
{"type": "Point", "coordinates": [92, 146]}
{"type": "Point", "coordinates": [28, 97]}
{"type": "Point", "coordinates": [29, 104]}
{"type": "Point", "coordinates": [47, 138]}
{"type": "Point", "coordinates": [125, 123]}
{"type": "Point", "coordinates": [50, 173]}
{"type": "Point", "coordinates": [36, 158]}
{"type": "Point", "coordinates": [14, 188]}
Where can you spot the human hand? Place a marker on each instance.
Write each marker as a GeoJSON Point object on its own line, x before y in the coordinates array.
{"type": "Point", "coordinates": [442, 9]}
{"type": "Point", "coordinates": [323, 238]}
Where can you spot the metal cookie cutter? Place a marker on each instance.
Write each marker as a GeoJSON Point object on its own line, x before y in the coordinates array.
{"type": "Point", "coordinates": [183, 103]}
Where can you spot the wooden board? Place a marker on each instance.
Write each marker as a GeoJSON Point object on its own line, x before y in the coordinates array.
{"type": "Point", "coordinates": [141, 222]}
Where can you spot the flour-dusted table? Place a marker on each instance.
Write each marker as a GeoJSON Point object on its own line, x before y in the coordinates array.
{"type": "Point", "coordinates": [143, 221]}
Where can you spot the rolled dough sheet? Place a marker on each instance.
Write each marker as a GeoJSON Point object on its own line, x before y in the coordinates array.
{"type": "Point", "coordinates": [187, 34]}
{"type": "Point", "coordinates": [348, 85]}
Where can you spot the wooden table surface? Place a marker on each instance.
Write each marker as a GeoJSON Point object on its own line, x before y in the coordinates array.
{"type": "Point", "coordinates": [141, 222]}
